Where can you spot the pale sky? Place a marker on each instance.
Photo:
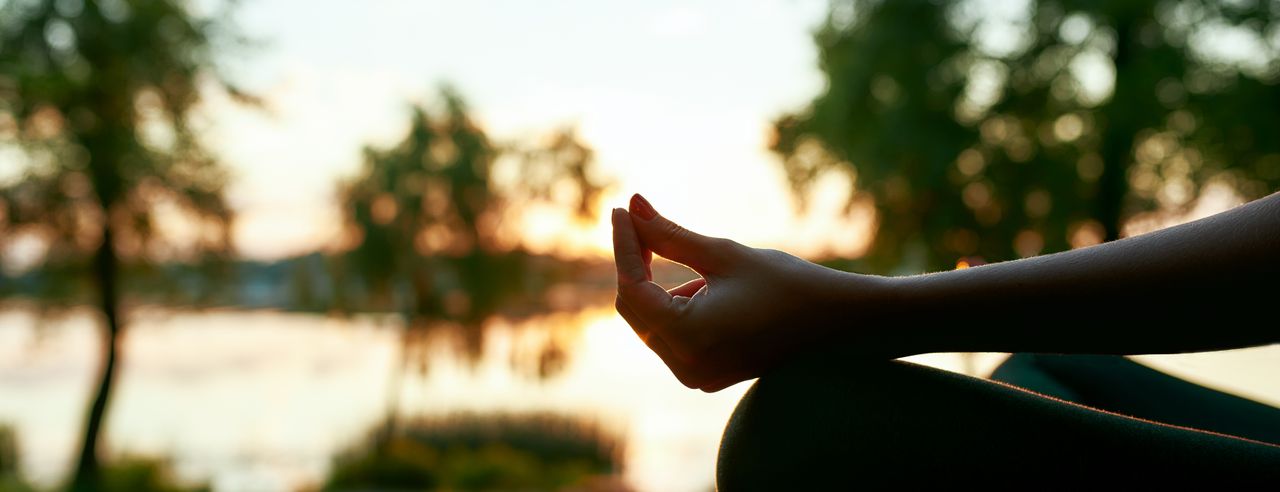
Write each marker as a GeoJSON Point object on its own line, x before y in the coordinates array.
{"type": "Point", "coordinates": [675, 96]}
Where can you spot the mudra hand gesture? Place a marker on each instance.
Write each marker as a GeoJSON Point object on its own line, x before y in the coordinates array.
{"type": "Point", "coordinates": [750, 309]}
{"type": "Point", "coordinates": [753, 308]}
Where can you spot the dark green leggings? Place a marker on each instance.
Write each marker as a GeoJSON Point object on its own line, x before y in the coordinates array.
{"type": "Point", "coordinates": [837, 422]}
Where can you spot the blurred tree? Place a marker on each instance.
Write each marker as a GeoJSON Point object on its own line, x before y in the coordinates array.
{"type": "Point", "coordinates": [425, 220]}
{"type": "Point", "coordinates": [999, 136]}
{"type": "Point", "coordinates": [428, 196]}
{"type": "Point", "coordinates": [425, 217]}
{"type": "Point", "coordinates": [96, 98]}
{"type": "Point", "coordinates": [561, 169]}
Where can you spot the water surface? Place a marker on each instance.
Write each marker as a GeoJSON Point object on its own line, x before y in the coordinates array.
{"type": "Point", "coordinates": [261, 400]}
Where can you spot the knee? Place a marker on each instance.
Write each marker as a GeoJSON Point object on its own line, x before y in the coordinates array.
{"type": "Point", "coordinates": [817, 422]}
{"type": "Point", "coordinates": [1026, 370]}
{"type": "Point", "coordinates": [1064, 376]}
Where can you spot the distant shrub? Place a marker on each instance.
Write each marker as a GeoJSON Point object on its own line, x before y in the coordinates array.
{"type": "Point", "coordinates": [540, 451]}
{"type": "Point", "coordinates": [123, 474]}
{"type": "Point", "coordinates": [143, 474]}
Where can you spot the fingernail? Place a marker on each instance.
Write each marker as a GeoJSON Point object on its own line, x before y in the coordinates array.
{"type": "Point", "coordinates": [642, 208]}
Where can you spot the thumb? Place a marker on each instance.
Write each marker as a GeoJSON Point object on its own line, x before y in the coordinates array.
{"type": "Point", "coordinates": [671, 241]}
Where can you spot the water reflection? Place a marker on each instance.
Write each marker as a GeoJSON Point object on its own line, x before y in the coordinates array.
{"type": "Point", "coordinates": [263, 400]}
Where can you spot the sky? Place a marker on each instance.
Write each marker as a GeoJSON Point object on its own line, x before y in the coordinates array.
{"type": "Point", "coordinates": [675, 97]}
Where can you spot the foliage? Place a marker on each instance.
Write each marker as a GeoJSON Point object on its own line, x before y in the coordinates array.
{"type": "Point", "coordinates": [478, 452]}
{"type": "Point", "coordinates": [428, 195]}
{"type": "Point", "coordinates": [426, 216]}
{"type": "Point", "coordinates": [98, 95]}
{"type": "Point", "coordinates": [95, 101]}
{"type": "Point", "coordinates": [140, 474]}
{"type": "Point", "coordinates": [124, 474]}
{"type": "Point", "coordinates": [10, 476]}
{"type": "Point", "coordinates": [976, 135]}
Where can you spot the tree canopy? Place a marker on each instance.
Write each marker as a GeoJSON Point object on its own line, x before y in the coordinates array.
{"type": "Point", "coordinates": [98, 96]}
{"type": "Point", "coordinates": [425, 216]}
{"type": "Point", "coordinates": [976, 134]}
{"type": "Point", "coordinates": [96, 102]}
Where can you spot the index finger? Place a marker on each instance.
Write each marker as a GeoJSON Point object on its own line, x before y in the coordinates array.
{"type": "Point", "coordinates": [650, 300]}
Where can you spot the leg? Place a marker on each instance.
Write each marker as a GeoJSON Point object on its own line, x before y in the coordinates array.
{"type": "Point", "coordinates": [1120, 385]}
{"type": "Point", "coordinates": [832, 422]}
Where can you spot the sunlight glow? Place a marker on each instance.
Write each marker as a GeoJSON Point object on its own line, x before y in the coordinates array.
{"type": "Point", "coordinates": [661, 119]}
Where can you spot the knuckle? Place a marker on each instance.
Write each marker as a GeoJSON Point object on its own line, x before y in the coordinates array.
{"type": "Point", "coordinates": [770, 254]}
{"type": "Point", "coordinates": [628, 276]}
{"type": "Point", "coordinates": [672, 231]}
{"type": "Point", "coordinates": [724, 243]}
{"type": "Point", "coordinates": [628, 290]}
{"type": "Point", "coordinates": [730, 250]}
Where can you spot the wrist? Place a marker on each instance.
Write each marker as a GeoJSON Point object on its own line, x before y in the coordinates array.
{"type": "Point", "coordinates": [895, 318]}
{"type": "Point", "coordinates": [926, 309]}
{"type": "Point", "coordinates": [873, 313]}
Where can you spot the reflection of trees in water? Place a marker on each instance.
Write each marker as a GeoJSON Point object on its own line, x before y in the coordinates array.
{"type": "Point", "coordinates": [539, 451]}
{"type": "Point", "coordinates": [541, 346]}
{"type": "Point", "coordinates": [541, 343]}
{"type": "Point", "coordinates": [427, 229]}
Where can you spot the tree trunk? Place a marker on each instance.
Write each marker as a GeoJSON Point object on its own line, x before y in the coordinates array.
{"type": "Point", "coordinates": [106, 267]}
{"type": "Point", "coordinates": [1117, 144]}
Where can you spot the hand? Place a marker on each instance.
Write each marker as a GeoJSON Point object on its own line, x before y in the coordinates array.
{"type": "Point", "coordinates": [750, 309]}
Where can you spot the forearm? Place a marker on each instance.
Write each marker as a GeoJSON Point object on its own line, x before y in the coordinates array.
{"type": "Point", "coordinates": [1193, 287]}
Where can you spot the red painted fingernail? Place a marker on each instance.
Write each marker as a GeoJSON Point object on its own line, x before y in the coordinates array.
{"type": "Point", "coordinates": [642, 208]}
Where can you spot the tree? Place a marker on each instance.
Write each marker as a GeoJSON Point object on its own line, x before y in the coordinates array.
{"type": "Point", "coordinates": [424, 216]}
{"type": "Point", "coordinates": [424, 221]}
{"type": "Point", "coordinates": [97, 97]}
{"type": "Point", "coordinates": [1083, 114]}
